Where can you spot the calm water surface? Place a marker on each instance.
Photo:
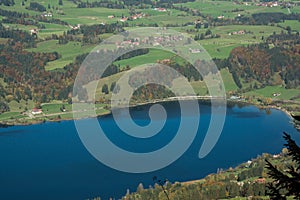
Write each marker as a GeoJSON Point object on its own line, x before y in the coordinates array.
{"type": "Point", "coordinates": [48, 161]}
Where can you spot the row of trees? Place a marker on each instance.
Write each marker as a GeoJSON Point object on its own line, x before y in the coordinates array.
{"type": "Point", "coordinates": [13, 14]}
{"type": "Point", "coordinates": [7, 2]}
{"type": "Point", "coordinates": [207, 35]}
{"type": "Point", "coordinates": [36, 6]}
{"type": "Point", "coordinates": [267, 18]}
{"type": "Point", "coordinates": [104, 3]}
{"type": "Point", "coordinates": [121, 4]}
{"type": "Point", "coordinates": [114, 87]}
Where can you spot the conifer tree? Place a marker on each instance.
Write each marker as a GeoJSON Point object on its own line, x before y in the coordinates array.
{"type": "Point", "coordinates": [286, 183]}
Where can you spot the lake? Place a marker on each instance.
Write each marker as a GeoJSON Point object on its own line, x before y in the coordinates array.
{"type": "Point", "coordinates": [49, 161]}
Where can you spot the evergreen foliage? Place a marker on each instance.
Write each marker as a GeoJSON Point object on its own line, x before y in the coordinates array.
{"type": "Point", "coordinates": [287, 182]}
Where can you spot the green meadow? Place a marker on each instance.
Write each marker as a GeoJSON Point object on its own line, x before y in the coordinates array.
{"type": "Point", "coordinates": [221, 47]}
{"type": "Point", "coordinates": [294, 24]}
{"type": "Point", "coordinates": [68, 52]}
{"type": "Point", "coordinates": [152, 57]}
{"type": "Point", "coordinates": [268, 91]}
{"type": "Point", "coordinates": [226, 8]}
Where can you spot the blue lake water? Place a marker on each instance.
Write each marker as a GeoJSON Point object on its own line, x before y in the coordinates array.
{"type": "Point", "coordinates": [48, 161]}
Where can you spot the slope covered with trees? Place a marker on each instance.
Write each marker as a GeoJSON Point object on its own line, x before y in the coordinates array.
{"type": "Point", "coordinates": [266, 65]}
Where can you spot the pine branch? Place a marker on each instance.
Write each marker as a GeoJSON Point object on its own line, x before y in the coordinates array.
{"type": "Point", "coordinates": [294, 149]}
{"type": "Point", "coordinates": [290, 180]}
{"type": "Point", "coordinates": [277, 175]}
{"type": "Point", "coordinates": [274, 192]}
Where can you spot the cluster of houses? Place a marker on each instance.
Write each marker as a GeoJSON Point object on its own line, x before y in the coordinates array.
{"type": "Point", "coordinates": [240, 32]}
{"type": "Point", "coordinates": [194, 50]}
{"type": "Point", "coordinates": [132, 17]}
{"type": "Point", "coordinates": [75, 27]}
{"type": "Point", "coordinates": [46, 14]}
{"type": "Point", "coordinates": [136, 16]}
{"type": "Point", "coordinates": [154, 41]}
{"type": "Point", "coordinates": [164, 61]}
{"type": "Point", "coordinates": [268, 4]}
{"type": "Point", "coordinates": [131, 43]}
{"type": "Point", "coordinates": [160, 9]}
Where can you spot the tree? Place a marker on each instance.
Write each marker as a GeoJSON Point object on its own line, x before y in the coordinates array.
{"type": "Point", "coordinates": [60, 2]}
{"type": "Point", "coordinates": [105, 89]}
{"type": "Point", "coordinates": [201, 36]}
{"type": "Point", "coordinates": [286, 183]}
{"type": "Point", "coordinates": [112, 86]}
{"type": "Point", "coordinates": [69, 100]}
{"type": "Point", "coordinates": [288, 28]}
{"type": "Point", "coordinates": [208, 32]}
{"type": "Point", "coordinates": [3, 107]}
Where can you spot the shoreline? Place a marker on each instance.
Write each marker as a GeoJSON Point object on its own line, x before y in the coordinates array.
{"type": "Point", "coordinates": [206, 99]}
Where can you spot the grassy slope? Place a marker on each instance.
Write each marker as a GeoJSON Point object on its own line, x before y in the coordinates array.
{"type": "Point", "coordinates": [151, 57]}
{"type": "Point", "coordinates": [228, 80]}
{"type": "Point", "coordinates": [68, 51]}
{"type": "Point", "coordinates": [269, 90]}
{"type": "Point", "coordinates": [294, 24]}
{"type": "Point", "coordinates": [221, 47]}
{"type": "Point", "coordinates": [218, 8]}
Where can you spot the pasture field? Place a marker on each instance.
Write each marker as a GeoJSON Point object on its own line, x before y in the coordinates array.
{"type": "Point", "coordinates": [221, 47]}
{"type": "Point", "coordinates": [49, 108]}
{"type": "Point", "coordinates": [294, 24]}
{"type": "Point", "coordinates": [10, 115]}
{"type": "Point", "coordinates": [228, 80]}
{"type": "Point", "coordinates": [230, 9]}
{"type": "Point", "coordinates": [21, 105]}
{"type": "Point", "coordinates": [268, 91]}
{"type": "Point", "coordinates": [68, 52]}
{"type": "Point", "coordinates": [151, 57]}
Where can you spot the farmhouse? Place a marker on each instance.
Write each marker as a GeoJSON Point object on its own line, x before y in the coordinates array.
{"type": "Point", "coordinates": [194, 50]}
{"type": "Point", "coordinates": [75, 27]}
{"type": "Point", "coordinates": [36, 111]}
{"type": "Point", "coordinates": [240, 32]}
{"type": "Point", "coordinates": [45, 14]}
{"type": "Point", "coordinates": [161, 9]}
{"type": "Point", "coordinates": [34, 32]}
{"type": "Point", "coordinates": [124, 19]}
{"type": "Point", "coordinates": [164, 61]}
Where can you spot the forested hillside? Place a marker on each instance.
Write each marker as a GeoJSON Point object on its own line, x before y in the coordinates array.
{"type": "Point", "coordinates": [262, 65]}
